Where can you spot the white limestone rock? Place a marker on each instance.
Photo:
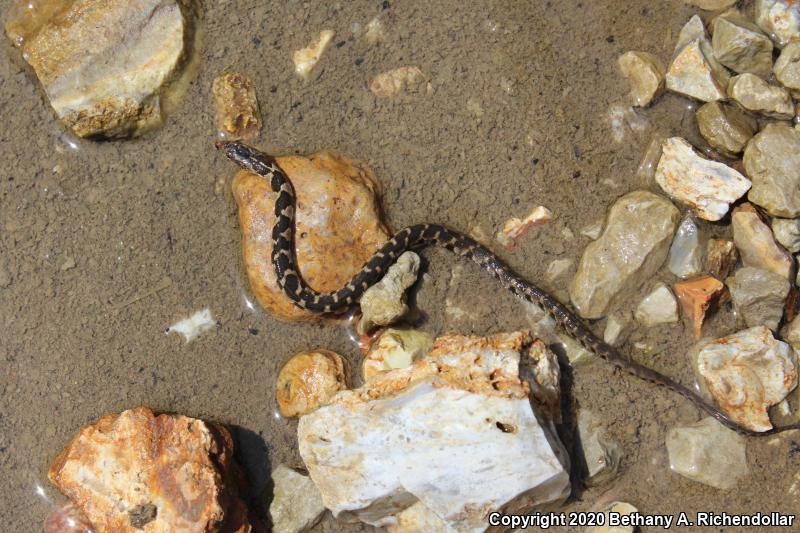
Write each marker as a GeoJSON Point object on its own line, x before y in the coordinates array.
{"type": "Point", "coordinates": [602, 454]}
{"type": "Point", "coordinates": [747, 373]}
{"type": "Point", "coordinates": [693, 29]}
{"type": "Point", "coordinates": [658, 307]}
{"type": "Point", "coordinates": [192, 327]}
{"type": "Point", "coordinates": [695, 73]}
{"type": "Point", "coordinates": [305, 59]}
{"type": "Point", "coordinates": [441, 433]}
{"type": "Point", "coordinates": [296, 503]}
{"type": "Point", "coordinates": [780, 19]}
{"type": "Point", "coordinates": [759, 296]}
{"type": "Point", "coordinates": [758, 96]}
{"type": "Point", "coordinates": [384, 303]}
{"type": "Point", "coordinates": [633, 246]}
{"type": "Point", "coordinates": [709, 453]}
{"type": "Point", "coordinates": [787, 233]}
{"type": "Point", "coordinates": [685, 255]}
{"type": "Point", "coordinates": [707, 186]}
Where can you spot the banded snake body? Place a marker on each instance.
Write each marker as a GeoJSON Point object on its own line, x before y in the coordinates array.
{"type": "Point", "coordinates": [420, 235]}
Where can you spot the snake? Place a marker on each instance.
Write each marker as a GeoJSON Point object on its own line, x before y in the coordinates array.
{"type": "Point", "coordinates": [421, 235]}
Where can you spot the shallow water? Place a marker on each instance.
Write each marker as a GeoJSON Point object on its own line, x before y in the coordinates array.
{"type": "Point", "coordinates": [152, 241]}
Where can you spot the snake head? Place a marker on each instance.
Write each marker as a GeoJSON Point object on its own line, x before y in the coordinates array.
{"type": "Point", "coordinates": [247, 157]}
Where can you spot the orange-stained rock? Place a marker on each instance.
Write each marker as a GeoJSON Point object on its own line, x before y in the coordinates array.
{"type": "Point", "coordinates": [338, 226]}
{"type": "Point", "coordinates": [309, 380]}
{"type": "Point", "coordinates": [136, 471]}
{"type": "Point", "coordinates": [721, 257]}
{"type": "Point", "coordinates": [697, 296]}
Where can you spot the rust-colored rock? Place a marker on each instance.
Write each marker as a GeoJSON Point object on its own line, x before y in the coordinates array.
{"type": "Point", "coordinates": [697, 296]}
{"type": "Point", "coordinates": [309, 380]}
{"type": "Point", "coordinates": [721, 257]}
{"type": "Point", "coordinates": [136, 471]}
{"type": "Point", "coordinates": [338, 226]}
{"type": "Point", "coordinates": [236, 107]}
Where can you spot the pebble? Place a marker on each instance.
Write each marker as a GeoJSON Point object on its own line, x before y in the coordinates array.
{"type": "Point", "coordinates": [645, 73]}
{"type": "Point", "coordinates": [787, 233]}
{"type": "Point", "coordinates": [617, 329]}
{"type": "Point", "coordinates": [601, 453]}
{"type": "Point", "coordinates": [747, 373]}
{"type": "Point", "coordinates": [707, 186]}
{"type": "Point", "coordinates": [695, 73]}
{"type": "Point", "coordinates": [385, 303]}
{"type": "Point", "coordinates": [631, 249]}
{"type": "Point", "coordinates": [236, 107]}
{"type": "Point", "coordinates": [514, 228]}
{"type": "Point", "coordinates": [721, 257]}
{"type": "Point", "coordinates": [398, 81]}
{"type": "Point", "coordinates": [756, 243]}
{"type": "Point", "coordinates": [709, 453]}
{"type": "Point", "coordinates": [685, 258]}
{"type": "Point", "coordinates": [296, 502]}
{"type": "Point", "coordinates": [194, 326]}
{"type": "Point", "coordinates": [105, 70]}
{"type": "Point", "coordinates": [307, 58]}
{"type": "Point", "coordinates": [787, 67]}
{"type": "Point", "coordinates": [741, 46]}
{"type": "Point", "coordinates": [772, 160]}
{"type": "Point", "coordinates": [725, 127]}
{"type": "Point", "coordinates": [758, 296]}
{"type": "Point", "coordinates": [780, 19]}
{"type": "Point", "coordinates": [758, 96]}
{"type": "Point", "coordinates": [698, 297]}
{"type": "Point", "coordinates": [658, 307]}
{"type": "Point", "coordinates": [557, 268]}
{"type": "Point", "coordinates": [395, 348]}
{"type": "Point", "coordinates": [309, 380]}
{"type": "Point", "coordinates": [376, 32]}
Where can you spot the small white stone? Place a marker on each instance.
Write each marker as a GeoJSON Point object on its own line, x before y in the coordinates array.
{"type": "Point", "coordinates": [747, 373]}
{"type": "Point", "coordinates": [645, 73]}
{"type": "Point", "coordinates": [709, 453]}
{"type": "Point", "coordinates": [659, 307]}
{"type": "Point", "coordinates": [694, 73]}
{"type": "Point", "coordinates": [195, 325]}
{"type": "Point", "coordinates": [787, 232]}
{"type": "Point", "coordinates": [306, 58]}
{"type": "Point", "coordinates": [758, 96]}
{"type": "Point", "coordinates": [384, 303]}
{"type": "Point", "coordinates": [296, 504]}
{"type": "Point", "coordinates": [685, 255]}
{"type": "Point", "coordinates": [707, 186]}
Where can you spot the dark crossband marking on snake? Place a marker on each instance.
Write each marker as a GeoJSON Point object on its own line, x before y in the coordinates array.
{"type": "Point", "coordinates": [420, 235]}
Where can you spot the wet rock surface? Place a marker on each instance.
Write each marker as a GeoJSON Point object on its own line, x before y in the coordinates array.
{"type": "Point", "coordinates": [645, 73]}
{"type": "Point", "coordinates": [787, 233]}
{"type": "Point", "coordinates": [759, 296]}
{"type": "Point", "coordinates": [756, 243]}
{"type": "Point", "coordinates": [747, 373]}
{"type": "Point", "coordinates": [134, 470]}
{"type": "Point", "coordinates": [296, 503]}
{"type": "Point", "coordinates": [780, 19]}
{"type": "Point", "coordinates": [602, 454]}
{"type": "Point", "coordinates": [104, 66]}
{"type": "Point", "coordinates": [337, 223]}
{"type": "Point", "coordinates": [372, 453]}
{"type": "Point", "coordinates": [384, 303]}
{"type": "Point", "coordinates": [707, 186]}
{"type": "Point", "coordinates": [725, 127]}
{"type": "Point", "coordinates": [309, 380]}
{"type": "Point", "coordinates": [709, 453]}
{"type": "Point", "coordinates": [741, 46]}
{"type": "Point", "coordinates": [758, 96]}
{"type": "Point", "coordinates": [772, 160]}
{"type": "Point", "coordinates": [395, 82]}
{"type": "Point", "coordinates": [695, 73]}
{"type": "Point", "coordinates": [698, 297]}
{"type": "Point", "coordinates": [633, 246]}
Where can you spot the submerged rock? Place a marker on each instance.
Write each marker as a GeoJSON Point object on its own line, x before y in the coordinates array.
{"type": "Point", "coordinates": [105, 65]}
{"type": "Point", "coordinates": [618, 509]}
{"type": "Point", "coordinates": [384, 303]}
{"type": "Point", "coordinates": [633, 246]}
{"type": "Point", "coordinates": [707, 186]}
{"type": "Point", "coordinates": [693, 29]}
{"type": "Point", "coordinates": [772, 160]}
{"type": "Point", "coordinates": [440, 433]}
{"type": "Point", "coordinates": [696, 73]}
{"type": "Point", "coordinates": [338, 226]}
{"type": "Point", "coordinates": [395, 348]}
{"type": "Point", "coordinates": [709, 453]}
{"type": "Point", "coordinates": [296, 503]}
{"type": "Point", "coordinates": [780, 19]}
{"type": "Point", "coordinates": [721, 257]}
{"type": "Point", "coordinates": [397, 81]}
{"type": "Point", "coordinates": [309, 380]}
{"type": "Point", "coordinates": [236, 107]}
{"type": "Point", "coordinates": [305, 59]}
{"type": "Point", "coordinates": [759, 296]}
{"type": "Point", "coordinates": [756, 243]}
{"type": "Point", "coordinates": [787, 233]}
{"type": "Point", "coordinates": [698, 297]}
{"type": "Point", "coordinates": [725, 127]}
{"type": "Point", "coordinates": [747, 373]}
{"type": "Point", "coordinates": [167, 472]}
{"type": "Point", "coordinates": [685, 258]}
{"type": "Point", "coordinates": [755, 94]}
{"type": "Point", "coordinates": [787, 67]}
{"type": "Point", "coordinates": [645, 73]}
{"type": "Point", "coordinates": [658, 307]}
{"type": "Point", "coordinates": [741, 46]}
{"type": "Point", "coordinates": [602, 454]}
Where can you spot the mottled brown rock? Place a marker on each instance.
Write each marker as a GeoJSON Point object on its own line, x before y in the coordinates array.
{"type": "Point", "coordinates": [309, 380]}
{"type": "Point", "coordinates": [697, 298]}
{"type": "Point", "coordinates": [725, 127]}
{"type": "Point", "coordinates": [135, 470]}
{"type": "Point", "coordinates": [756, 243]}
{"type": "Point", "coordinates": [338, 227]}
{"type": "Point", "coordinates": [741, 46]}
{"type": "Point", "coordinates": [721, 257]}
{"type": "Point", "coordinates": [236, 107]}
{"type": "Point", "coordinates": [759, 296]}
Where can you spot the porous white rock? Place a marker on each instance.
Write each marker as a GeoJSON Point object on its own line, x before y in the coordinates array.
{"type": "Point", "coordinates": [602, 454]}
{"type": "Point", "coordinates": [755, 94]}
{"type": "Point", "coordinates": [780, 19]}
{"type": "Point", "coordinates": [759, 296]}
{"type": "Point", "coordinates": [658, 307]}
{"type": "Point", "coordinates": [296, 503]}
{"type": "Point", "coordinates": [685, 256]}
{"type": "Point", "coordinates": [787, 233]}
{"type": "Point", "coordinates": [693, 29]}
{"type": "Point", "coordinates": [747, 373]}
{"type": "Point", "coordinates": [709, 453]}
{"type": "Point", "coordinates": [557, 268]}
{"type": "Point", "coordinates": [645, 73]}
{"type": "Point", "coordinates": [617, 329]}
{"type": "Point", "coordinates": [194, 326]}
{"type": "Point", "coordinates": [384, 303]}
{"type": "Point", "coordinates": [695, 73]}
{"type": "Point", "coordinates": [442, 433]}
{"type": "Point", "coordinates": [707, 186]}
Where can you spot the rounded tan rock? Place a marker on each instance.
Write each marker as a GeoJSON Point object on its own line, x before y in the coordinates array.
{"type": "Point", "coordinates": [338, 226]}
{"type": "Point", "coordinates": [309, 380]}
